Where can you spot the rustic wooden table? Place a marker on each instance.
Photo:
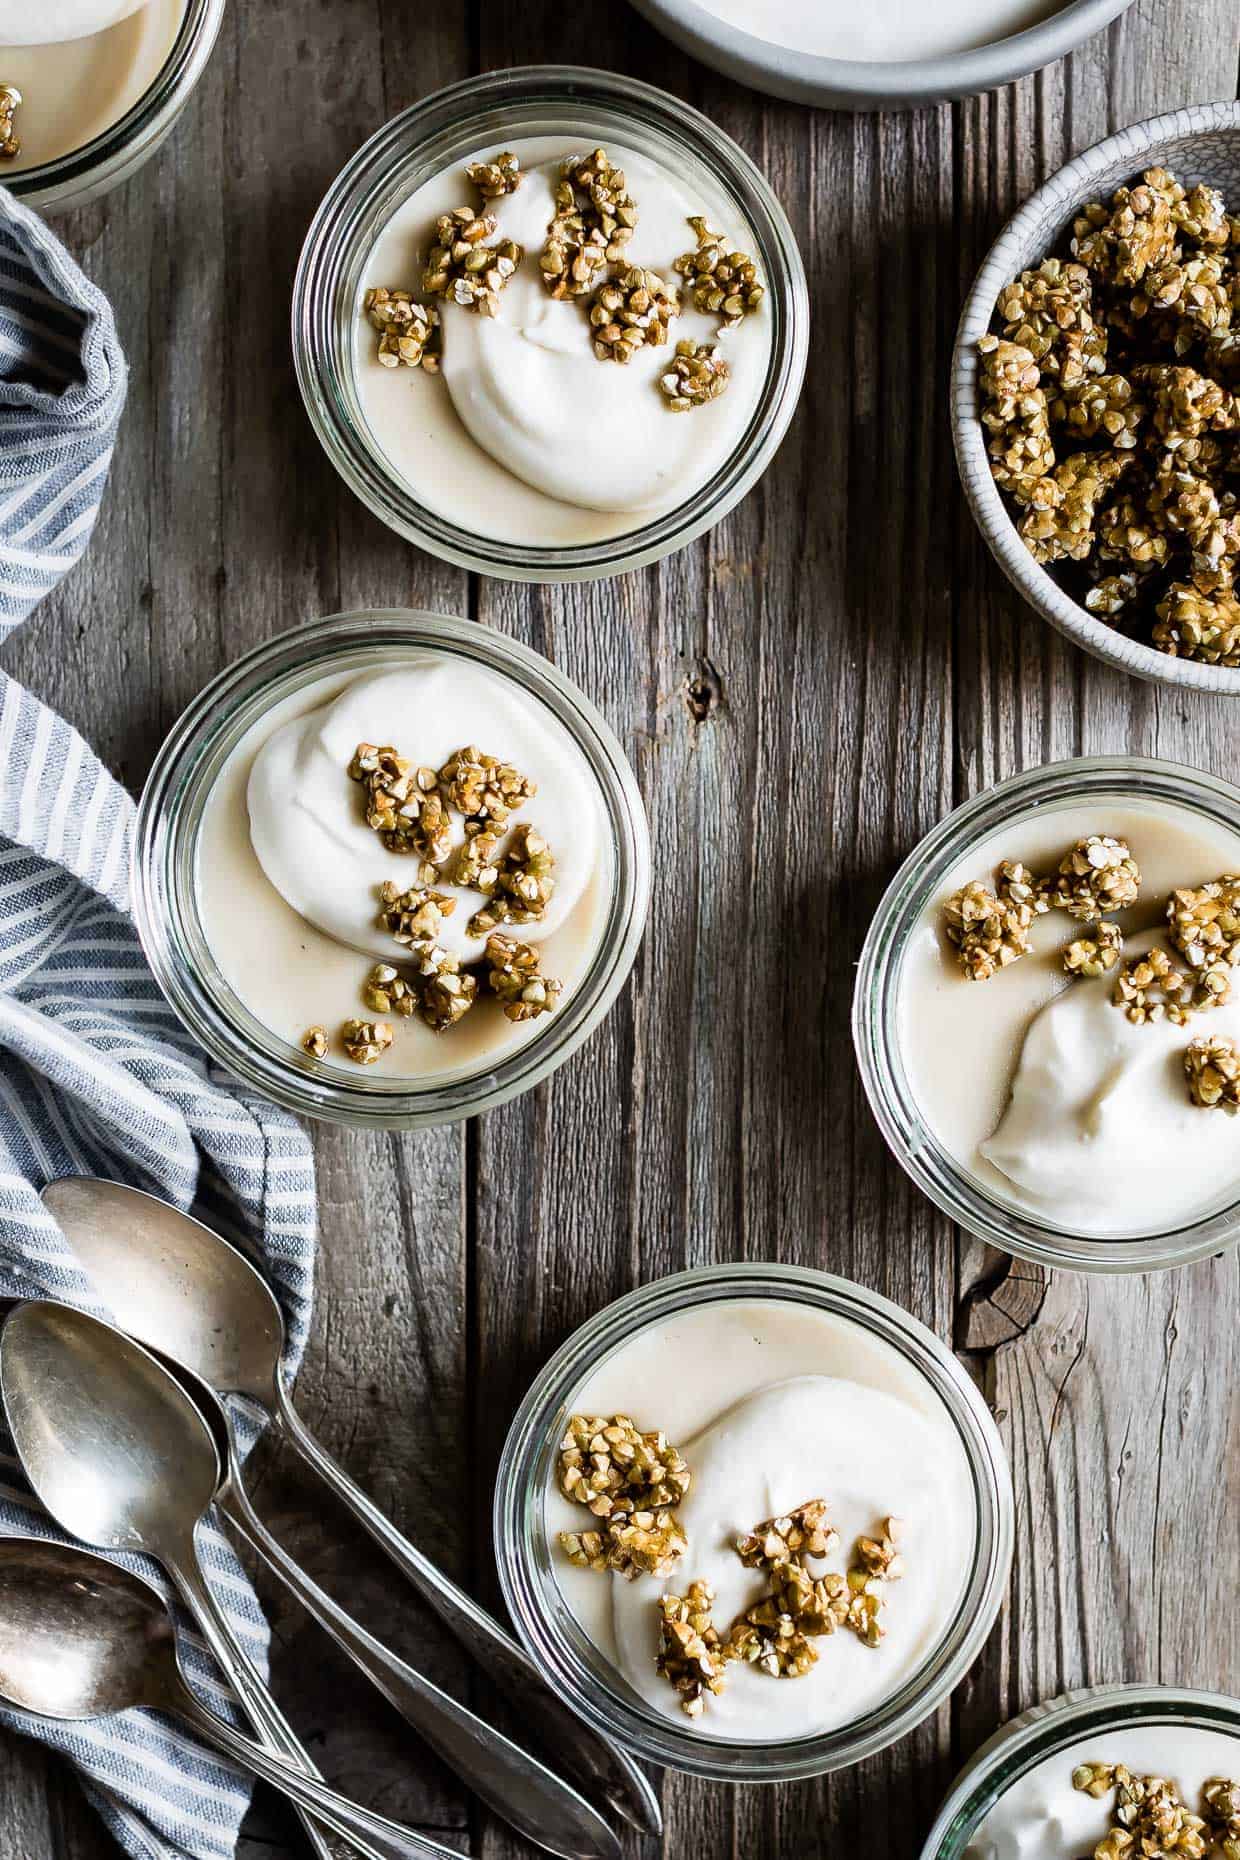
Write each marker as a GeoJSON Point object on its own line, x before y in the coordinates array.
{"type": "Point", "coordinates": [843, 630]}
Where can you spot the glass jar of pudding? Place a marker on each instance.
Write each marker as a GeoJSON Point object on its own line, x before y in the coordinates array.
{"type": "Point", "coordinates": [776, 1386]}
{"type": "Point", "coordinates": [1049, 1111]}
{"type": "Point", "coordinates": [259, 876]}
{"type": "Point", "coordinates": [1015, 1800]}
{"type": "Point", "coordinates": [96, 106]}
{"type": "Point", "coordinates": [524, 455]}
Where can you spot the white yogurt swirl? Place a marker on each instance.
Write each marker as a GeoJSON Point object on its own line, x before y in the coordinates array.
{"type": "Point", "coordinates": [1100, 1128]}
{"type": "Point", "coordinates": [53, 22]}
{"type": "Point", "coordinates": [870, 1455]}
{"type": "Point", "coordinates": [307, 824]}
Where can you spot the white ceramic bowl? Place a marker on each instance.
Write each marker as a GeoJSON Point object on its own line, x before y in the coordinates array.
{"type": "Point", "coordinates": [1201, 143]}
{"type": "Point", "coordinates": [849, 84]}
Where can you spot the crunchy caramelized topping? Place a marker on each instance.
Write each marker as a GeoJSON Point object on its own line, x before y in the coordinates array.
{"type": "Point", "coordinates": [767, 1637]}
{"type": "Point", "coordinates": [475, 865]}
{"type": "Point", "coordinates": [1204, 925]}
{"type": "Point", "coordinates": [1095, 954]}
{"type": "Point", "coordinates": [1122, 362]}
{"type": "Point", "coordinates": [989, 932]}
{"type": "Point", "coordinates": [803, 1532]}
{"type": "Point", "coordinates": [594, 219]}
{"type": "Point", "coordinates": [524, 885]}
{"type": "Point", "coordinates": [402, 803]}
{"type": "Point", "coordinates": [1148, 1819]}
{"type": "Point", "coordinates": [639, 1543]}
{"type": "Point", "coordinates": [445, 993]}
{"type": "Point", "coordinates": [387, 991]}
{"type": "Point", "coordinates": [365, 1040]}
{"type": "Point", "coordinates": [1192, 625]}
{"type": "Point", "coordinates": [413, 917]}
{"type": "Point", "coordinates": [314, 1042]}
{"type": "Point", "coordinates": [1213, 1070]}
{"type": "Point", "coordinates": [607, 1464]}
{"type": "Point", "coordinates": [1098, 874]}
{"type": "Point", "coordinates": [460, 265]}
{"type": "Point", "coordinates": [483, 788]}
{"type": "Point", "coordinates": [632, 309]}
{"type": "Point", "coordinates": [1220, 1804]}
{"type": "Point", "coordinates": [689, 1655]}
{"type": "Point", "coordinates": [497, 177]}
{"type": "Point", "coordinates": [698, 373]}
{"type": "Point", "coordinates": [721, 282]}
{"type": "Point", "coordinates": [1153, 987]}
{"type": "Point", "coordinates": [406, 329]}
{"type": "Point", "coordinates": [514, 977]}
{"type": "Point", "coordinates": [10, 103]}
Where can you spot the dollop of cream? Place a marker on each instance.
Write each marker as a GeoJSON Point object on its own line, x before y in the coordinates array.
{"type": "Point", "coordinates": [531, 392]}
{"type": "Point", "coordinates": [1100, 1131]}
{"type": "Point", "coordinates": [52, 22]}
{"type": "Point", "coordinates": [870, 1455]}
{"type": "Point", "coordinates": [307, 823]}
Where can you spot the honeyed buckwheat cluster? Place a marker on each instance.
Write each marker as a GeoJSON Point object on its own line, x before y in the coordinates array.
{"type": "Point", "coordinates": [10, 103]}
{"type": "Point", "coordinates": [989, 929]}
{"type": "Point", "coordinates": [1109, 394]}
{"type": "Point", "coordinates": [633, 1482]}
{"type": "Point", "coordinates": [1150, 1821]}
{"type": "Point", "coordinates": [415, 809]}
{"type": "Point", "coordinates": [585, 259]}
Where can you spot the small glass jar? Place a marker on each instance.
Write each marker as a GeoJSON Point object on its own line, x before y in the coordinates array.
{"type": "Point", "coordinates": [165, 876]}
{"type": "Point", "coordinates": [112, 157]}
{"type": "Point", "coordinates": [587, 1680]}
{"type": "Point", "coordinates": [876, 1012]}
{"type": "Point", "coordinates": [1057, 1726]}
{"type": "Point", "coordinates": [446, 128]}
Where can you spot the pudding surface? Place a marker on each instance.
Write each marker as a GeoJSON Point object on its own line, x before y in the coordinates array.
{"type": "Point", "coordinates": [76, 88]}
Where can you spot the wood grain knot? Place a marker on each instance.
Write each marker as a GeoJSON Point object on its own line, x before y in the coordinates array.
{"type": "Point", "coordinates": [702, 692]}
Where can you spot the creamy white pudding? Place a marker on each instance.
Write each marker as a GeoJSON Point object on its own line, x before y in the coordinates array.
{"type": "Point", "coordinates": [772, 1405]}
{"type": "Point", "coordinates": [289, 873]}
{"type": "Point", "coordinates": [1036, 1082]}
{"type": "Point", "coordinates": [885, 32]}
{"type": "Point", "coordinates": [522, 433]}
{"type": "Point", "coordinates": [80, 66]}
{"type": "Point", "coordinates": [1042, 1817]}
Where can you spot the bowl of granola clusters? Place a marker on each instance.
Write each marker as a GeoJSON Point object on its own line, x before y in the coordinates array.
{"type": "Point", "coordinates": [1096, 399]}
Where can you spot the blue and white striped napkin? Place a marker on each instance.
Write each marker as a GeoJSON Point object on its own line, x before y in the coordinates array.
{"type": "Point", "coordinates": [96, 1075]}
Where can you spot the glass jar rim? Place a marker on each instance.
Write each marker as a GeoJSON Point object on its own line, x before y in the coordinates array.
{"type": "Point", "coordinates": [325, 294]}
{"type": "Point", "coordinates": [524, 1470]}
{"type": "Point", "coordinates": [1025, 1741]}
{"type": "Point", "coordinates": [186, 767]}
{"type": "Point", "coordinates": [875, 1016]}
{"type": "Point", "coordinates": [55, 186]}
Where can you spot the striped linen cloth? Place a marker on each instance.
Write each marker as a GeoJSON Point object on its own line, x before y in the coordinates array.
{"type": "Point", "coordinates": [96, 1075]}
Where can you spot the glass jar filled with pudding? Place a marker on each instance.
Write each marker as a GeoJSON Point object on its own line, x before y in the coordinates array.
{"type": "Point", "coordinates": [90, 88]}
{"type": "Point", "coordinates": [1157, 1763]}
{"type": "Point", "coordinates": [1047, 1014]}
{"type": "Point", "coordinates": [550, 324]}
{"type": "Point", "coordinates": [753, 1521]}
{"type": "Point", "coordinates": [391, 868]}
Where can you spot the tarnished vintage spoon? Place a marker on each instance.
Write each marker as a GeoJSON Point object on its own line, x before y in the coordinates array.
{"type": "Point", "coordinates": [121, 1466]}
{"type": "Point", "coordinates": [80, 1638]}
{"type": "Point", "coordinates": [186, 1291]}
{"type": "Point", "coordinates": [511, 1781]}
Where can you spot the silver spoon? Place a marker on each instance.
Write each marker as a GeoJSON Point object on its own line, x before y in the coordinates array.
{"type": "Point", "coordinates": [507, 1778]}
{"type": "Point", "coordinates": [187, 1292]}
{"type": "Point", "coordinates": [119, 1466]}
{"type": "Point", "coordinates": [80, 1638]}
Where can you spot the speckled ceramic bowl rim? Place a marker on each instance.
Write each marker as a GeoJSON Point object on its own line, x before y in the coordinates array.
{"type": "Point", "coordinates": [850, 84]}
{"type": "Point", "coordinates": [1061, 195]}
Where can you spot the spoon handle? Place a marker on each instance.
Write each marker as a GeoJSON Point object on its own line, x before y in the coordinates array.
{"type": "Point", "coordinates": [239, 1670]}
{"type": "Point", "coordinates": [371, 1834]}
{"type": "Point", "coordinates": [507, 1778]}
{"type": "Point", "coordinates": [602, 1767]}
